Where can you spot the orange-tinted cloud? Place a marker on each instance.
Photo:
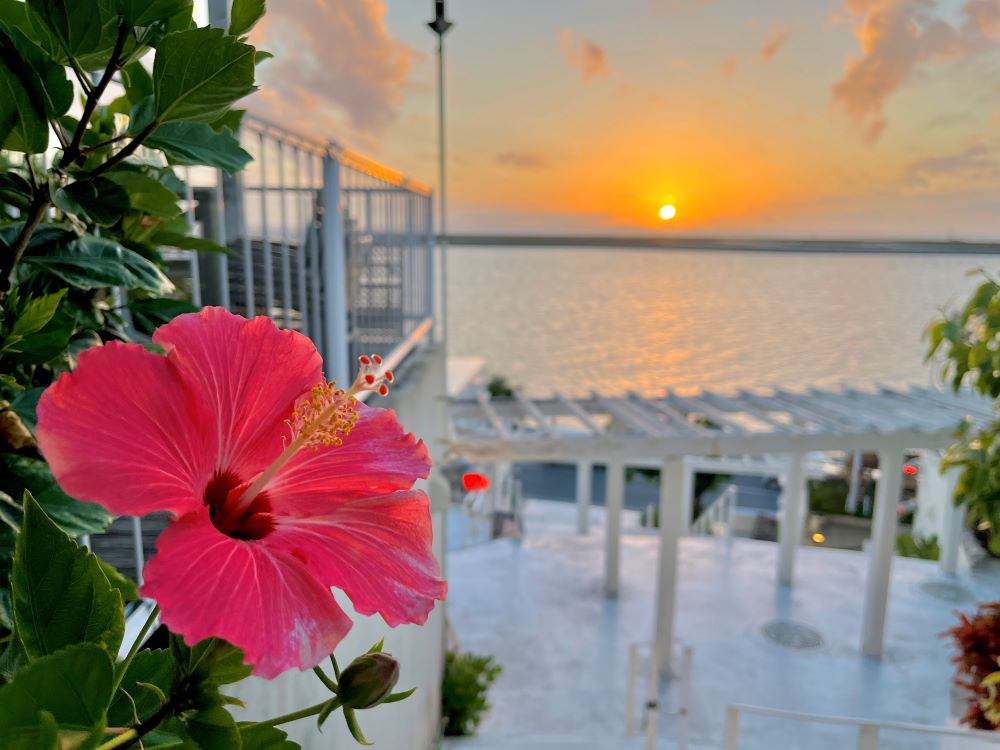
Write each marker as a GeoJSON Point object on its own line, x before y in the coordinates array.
{"type": "Point", "coordinates": [897, 37]}
{"type": "Point", "coordinates": [521, 160]}
{"type": "Point", "coordinates": [975, 164]}
{"type": "Point", "coordinates": [583, 55]}
{"type": "Point", "coordinates": [776, 39]}
{"type": "Point", "coordinates": [336, 65]}
{"type": "Point", "coordinates": [728, 66]}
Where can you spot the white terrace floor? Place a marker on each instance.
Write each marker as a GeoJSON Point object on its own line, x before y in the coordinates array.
{"type": "Point", "coordinates": [537, 606]}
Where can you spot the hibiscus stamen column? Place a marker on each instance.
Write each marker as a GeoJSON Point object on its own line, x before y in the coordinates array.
{"type": "Point", "coordinates": [325, 417]}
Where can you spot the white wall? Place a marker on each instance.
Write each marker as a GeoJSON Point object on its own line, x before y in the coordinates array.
{"type": "Point", "coordinates": [419, 401]}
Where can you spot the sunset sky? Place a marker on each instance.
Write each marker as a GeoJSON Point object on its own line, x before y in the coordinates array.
{"type": "Point", "coordinates": [775, 117]}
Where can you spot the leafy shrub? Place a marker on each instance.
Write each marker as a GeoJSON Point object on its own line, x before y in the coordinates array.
{"type": "Point", "coordinates": [498, 387]}
{"type": "Point", "coordinates": [977, 639]}
{"type": "Point", "coordinates": [923, 548]}
{"type": "Point", "coordinates": [467, 679]}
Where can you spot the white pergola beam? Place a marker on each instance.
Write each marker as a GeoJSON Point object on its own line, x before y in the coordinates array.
{"type": "Point", "coordinates": [634, 419]}
{"type": "Point", "coordinates": [535, 413]}
{"type": "Point", "coordinates": [614, 497]}
{"type": "Point", "coordinates": [584, 494]}
{"type": "Point", "coordinates": [794, 497]}
{"type": "Point", "coordinates": [580, 413]}
{"type": "Point", "coordinates": [881, 549]}
{"type": "Point", "coordinates": [491, 415]}
{"type": "Point", "coordinates": [673, 485]}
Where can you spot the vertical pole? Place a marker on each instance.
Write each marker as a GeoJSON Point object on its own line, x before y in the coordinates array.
{"type": "Point", "coordinates": [653, 699]}
{"type": "Point", "coordinates": [442, 322]}
{"type": "Point", "coordinates": [334, 275]}
{"type": "Point", "coordinates": [952, 524]}
{"type": "Point", "coordinates": [732, 728]}
{"type": "Point", "coordinates": [286, 260]}
{"type": "Point", "coordinates": [883, 542]}
{"type": "Point", "coordinates": [792, 518]}
{"type": "Point", "coordinates": [868, 737]}
{"type": "Point", "coordinates": [228, 203]}
{"type": "Point", "coordinates": [137, 548]}
{"type": "Point", "coordinates": [315, 250]}
{"type": "Point", "coordinates": [265, 229]}
{"type": "Point", "coordinates": [431, 302]}
{"type": "Point", "coordinates": [671, 486]}
{"type": "Point", "coordinates": [584, 491]}
{"type": "Point", "coordinates": [633, 663]}
{"type": "Point", "coordinates": [614, 500]}
{"type": "Point", "coordinates": [687, 497]}
{"type": "Point", "coordinates": [851, 506]}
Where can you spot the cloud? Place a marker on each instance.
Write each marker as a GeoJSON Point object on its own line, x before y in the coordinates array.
{"type": "Point", "coordinates": [974, 165]}
{"type": "Point", "coordinates": [728, 66]}
{"type": "Point", "coordinates": [336, 67]}
{"type": "Point", "coordinates": [521, 160]}
{"type": "Point", "coordinates": [583, 55]}
{"type": "Point", "coordinates": [776, 39]}
{"type": "Point", "coordinates": [897, 38]}
{"type": "Point", "coordinates": [671, 6]}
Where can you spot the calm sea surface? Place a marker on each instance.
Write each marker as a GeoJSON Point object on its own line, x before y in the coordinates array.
{"type": "Point", "coordinates": [618, 319]}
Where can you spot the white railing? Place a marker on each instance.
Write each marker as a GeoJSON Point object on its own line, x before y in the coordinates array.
{"type": "Point", "coordinates": [717, 518]}
{"type": "Point", "coordinates": [868, 729]}
{"type": "Point", "coordinates": [651, 709]}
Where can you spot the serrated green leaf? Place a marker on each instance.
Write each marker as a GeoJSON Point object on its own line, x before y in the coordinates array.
{"type": "Point", "coordinates": [196, 143]}
{"type": "Point", "coordinates": [60, 594]}
{"type": "Point", "coordinates": [150, 314]}
{"type": "Point", "coordinates": [198, 74]}
{"type": "Point", "coordinates": [245, 15]}
{"type": "Point", "coordinates": [50, 341]}
{"type": "Point", "coordinates": [214, 729]}
{"type": "Point", "coordinates": [125, 587]}
{"type": "Point", "coordinates": [85, 31]}
{"type": "Point", "coordinates": [146, 681]}
{"type": "Point", "coordinates": [72, 686]}
{"type": "Point", "coordinates": [95, 262]}
{"type": "Point", "coordinates": [147, 12]}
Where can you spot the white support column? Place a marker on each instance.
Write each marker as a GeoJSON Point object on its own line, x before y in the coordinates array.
{"type": "Point", "coordinates": [881, 548]}
{"type": "Point", "coordinates": [851, 506]}
{"type": "Point", "coordinates": [792, 517]}
{"type": "Point", "coordinates": [335, 338]}
{"type": "Point", "coordinates": [584, 492]}
{"type": "Point", "coordinates": [672, 484]}
{"type": "Point", "coordinates": [614, 496]}
{"type": "Point", "coordinates": [952, 524]}
{"type": "Point", "coordinates": [687, 496]}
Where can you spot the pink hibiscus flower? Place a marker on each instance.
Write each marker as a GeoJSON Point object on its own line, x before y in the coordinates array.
{"type": "Point", "coordinates": [280, 487]}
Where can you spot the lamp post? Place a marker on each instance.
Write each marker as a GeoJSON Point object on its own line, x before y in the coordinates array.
{"type": "Point", "coordinates": [440, 26]}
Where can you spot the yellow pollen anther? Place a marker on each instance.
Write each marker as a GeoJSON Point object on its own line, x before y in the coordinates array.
{"type": "Point", "coordinates": [325, 417]}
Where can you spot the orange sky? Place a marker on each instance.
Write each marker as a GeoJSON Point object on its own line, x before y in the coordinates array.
{"type": "Point", "coordinates": [839, 117]}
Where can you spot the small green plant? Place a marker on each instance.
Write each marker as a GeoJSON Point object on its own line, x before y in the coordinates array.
{"type": "Point", "coordinates": [467, 680]}
{"type": "Point", "coordinates": [499, 387]}
{"type": "Point", "coordinates": [923, 548]}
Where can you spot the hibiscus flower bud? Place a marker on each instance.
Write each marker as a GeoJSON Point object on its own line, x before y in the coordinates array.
{"type": "Point", "coordinates": [368, 680]}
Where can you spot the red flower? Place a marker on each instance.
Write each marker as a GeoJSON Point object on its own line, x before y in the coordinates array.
{"type": "Point", "coordinates": [475, 482]}
{"type": "Point", "coordinates": [264, 522]}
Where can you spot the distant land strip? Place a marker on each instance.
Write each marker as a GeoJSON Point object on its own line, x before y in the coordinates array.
{"type": "Point", "coordinates": [758, 245]}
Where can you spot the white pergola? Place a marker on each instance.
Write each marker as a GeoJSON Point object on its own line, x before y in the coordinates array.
{"type": "Point", "coordinates": [768, 432]}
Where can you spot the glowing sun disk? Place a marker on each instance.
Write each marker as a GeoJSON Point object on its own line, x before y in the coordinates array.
{"type": "Point", "coordinates": [668, 212]}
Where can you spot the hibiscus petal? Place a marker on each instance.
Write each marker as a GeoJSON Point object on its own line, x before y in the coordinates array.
{"type": "Point", "coordinates": [249, 374]}
{"type": "Point", "coordinates": [377, 550]}
{"type": "Point", "coordinates": [376, 458]}
{"type": "Point", "coordinates": [259, 598]}
{"type": "Point", "coordinates": [120, 431]}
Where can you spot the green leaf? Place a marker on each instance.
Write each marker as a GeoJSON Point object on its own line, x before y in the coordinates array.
{"type": "Point", "coordinates": [137, 81]}
{"type": "Point", "coordinates": [124, 586]}
{"type": "Point", "coordinates": [15, 190]}
{"type": "Point", "coordinates": [245, 15]}
{"type": "Point", "coordinates": [25, 406]}
{"type": "Point", "coordinates": [49, 84]}
{"type": "Point", "coordinates": [147, 194]}
{"type": "Point", "coordinates": [70, 29]}
{"type": "Point", "coordinates": [69, 691]}
{"type": "Point", "coordinates": [61, 596]}
{"type": "Point", "coordinates": [37, 313]}
{"type": "Point", "coordinates": [23, 126]}
{"type": "Point", "coordinates": [186, 242]}
{"type": "Point", "coordinates": [355, 728]}
{"type": "Point", "coordinates": [20, 473]}
{"type": "Point", "coordinates": [214, 729]}
{"type": "Point", "coordinates": [103, 200]}
{"type": "Point", "coordinates": [211, 662]}
{"type": "Point", "coordinates": [146, 681]}
{"type": "Point", "coordinates": [147, 12]}
{"type": "Point", "coordinates": [266, 738]}
{"type": "Point", "coordinates": [198, 74]}
{"type": "Point", "coordinates": [95, 262]}
{"type": "Point", "coordinates": [150, 314]}
{"type": "Point", "coordinates": [49, 342]}
{"type": "Point", "coordinates": [197, 143]}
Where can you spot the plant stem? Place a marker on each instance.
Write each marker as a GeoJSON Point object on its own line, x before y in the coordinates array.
{"type": "Point", "coordinates": [34, 216]}
{"type": "Point", "coordinates": [122, 740]}
{"type": "Point", "coordinates": [123, 667]}
{"type": "Point", "coordinates": [94, 98]}
{"type": "Point", "coordinates": [330, 684]}
{"type": "Point", "coordinates": [293, 716]}
{"type": "Point", "coordinates": [129, 149]}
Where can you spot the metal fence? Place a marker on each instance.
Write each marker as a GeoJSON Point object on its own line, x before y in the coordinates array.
{"type": "Point", "coordinates": [322, 240]}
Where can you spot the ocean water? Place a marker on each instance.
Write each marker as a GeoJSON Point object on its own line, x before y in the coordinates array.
{"type": "Point", "coordinates": [578, 320]}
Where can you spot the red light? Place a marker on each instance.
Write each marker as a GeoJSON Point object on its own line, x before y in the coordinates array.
{"type": "Point", "coordinates": [910, 470]}
{"type": "Point", "coordinates": [474, 482]}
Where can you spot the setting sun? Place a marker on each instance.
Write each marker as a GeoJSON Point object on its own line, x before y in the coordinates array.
{"type": "Point", "coordinates": [668, 212]}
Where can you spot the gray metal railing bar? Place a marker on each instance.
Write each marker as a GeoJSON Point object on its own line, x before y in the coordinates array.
{"type": "Point", "coordinates": [286, 267]}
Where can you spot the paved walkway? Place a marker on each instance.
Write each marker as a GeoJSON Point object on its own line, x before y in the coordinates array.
{"type": "Point", "coordinates": [537, 606]}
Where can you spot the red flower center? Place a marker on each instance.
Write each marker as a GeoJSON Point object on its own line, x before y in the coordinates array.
{"type": "Point", "coordinates": [253, 522]}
